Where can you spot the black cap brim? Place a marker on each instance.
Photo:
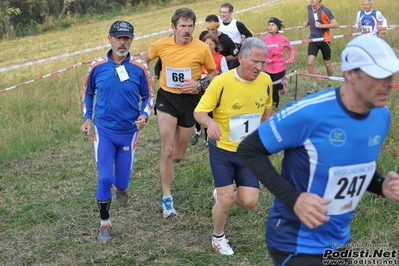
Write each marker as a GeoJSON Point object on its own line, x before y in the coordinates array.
{"type": "Point", "coordinates": [122, 34]}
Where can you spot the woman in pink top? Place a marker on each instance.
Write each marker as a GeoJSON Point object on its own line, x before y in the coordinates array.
{"type": "Point", "coordinates": [275, 61]}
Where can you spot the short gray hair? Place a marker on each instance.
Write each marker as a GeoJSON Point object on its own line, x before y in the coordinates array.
{"type": "Point", "coordinates": [252, 42]}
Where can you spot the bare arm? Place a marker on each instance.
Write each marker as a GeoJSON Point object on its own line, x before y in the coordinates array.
{"type": "Point", "coordinates": [332, 25]}
{"type": "Point", "coordinates": [266, 114]}
{"type": "Point", "coordinates": [146, 58]}
{"type": "Point", "coordinates": [212, 73]}
{"type": "Point", "coordinates": [214, 131]}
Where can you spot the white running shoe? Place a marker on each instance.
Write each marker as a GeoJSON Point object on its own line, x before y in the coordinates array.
{"type": "Point", "coordinates": [221, 245]}
{"type": "Point", "coordinates": [215, 195]}
{"type": "Point", "coordinates": [167, 205]}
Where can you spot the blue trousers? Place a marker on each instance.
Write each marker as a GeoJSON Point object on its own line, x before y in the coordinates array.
{"type": "Point", "coordinates": [114, 155]}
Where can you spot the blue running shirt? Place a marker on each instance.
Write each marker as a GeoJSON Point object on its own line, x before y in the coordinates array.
{"type": "Point", "coordinates": [329, 151]}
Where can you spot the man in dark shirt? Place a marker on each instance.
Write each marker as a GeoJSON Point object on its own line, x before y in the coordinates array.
{"type": "Point", "coordinates": [229, 49]}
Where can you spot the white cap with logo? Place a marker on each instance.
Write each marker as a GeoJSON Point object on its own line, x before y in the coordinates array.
{"type": "Point", "coordinates": [372, 55]}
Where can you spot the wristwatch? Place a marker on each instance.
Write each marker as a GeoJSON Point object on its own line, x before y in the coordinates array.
{"type": "Point", "coordinates": [203, 83]}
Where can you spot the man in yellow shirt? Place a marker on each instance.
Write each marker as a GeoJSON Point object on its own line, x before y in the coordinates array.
{"type": "Point", "coordinates": [240, 99]}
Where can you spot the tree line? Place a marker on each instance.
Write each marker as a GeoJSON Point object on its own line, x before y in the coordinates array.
{"type": "Point", "coordinates": [28, 17]}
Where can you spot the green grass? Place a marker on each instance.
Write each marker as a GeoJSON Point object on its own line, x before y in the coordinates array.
{"type": "Point", "coordinates": [48, 174]}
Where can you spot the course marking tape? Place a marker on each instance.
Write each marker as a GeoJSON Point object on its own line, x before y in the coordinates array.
{"type": "Point", "coordinates": [108, 45]}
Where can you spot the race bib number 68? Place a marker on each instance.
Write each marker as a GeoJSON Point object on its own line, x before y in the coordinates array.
{"type": "Point", "coordinates": [176, 76]}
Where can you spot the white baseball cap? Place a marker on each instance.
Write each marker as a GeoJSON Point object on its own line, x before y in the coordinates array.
{"type": "Point", "coordinates": [372, 55]}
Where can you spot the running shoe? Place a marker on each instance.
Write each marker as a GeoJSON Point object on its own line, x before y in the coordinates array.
{"type": "Point", "coordinates": [206, 143]}
{"type": "Point", "coordinates": [121, 196]}
{"type": "Point", "coordinates": [283, 90]}
{"type": "Point", "coordinates": [313, 89]}
{"type": "Point", "coordinates": [221, 245]}
{"type": "Point", "coordinates": [215, 195]}
{"type": "Point", "coordinates": [333, 83]}
{"type": "Point", "coordinates": [167, 205]}
{"type": "Point", "coordinates": [194, 139]}
{"type": "Point", "coordinates": [105, 234]}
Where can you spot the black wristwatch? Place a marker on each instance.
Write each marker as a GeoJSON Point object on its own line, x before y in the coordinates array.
{"type": "Point", "coordinates": [203, 83]}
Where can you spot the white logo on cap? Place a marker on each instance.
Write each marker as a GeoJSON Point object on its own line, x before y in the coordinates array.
{"type": "Point", "coordinates": [122, 26]}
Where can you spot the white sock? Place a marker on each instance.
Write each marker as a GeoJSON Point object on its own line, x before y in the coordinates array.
{"type": "Point", "coordinates": [105, 221]}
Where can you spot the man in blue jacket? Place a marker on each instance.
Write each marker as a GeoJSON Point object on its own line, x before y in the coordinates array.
{"type": "Point", "coordinates": [120, 83]}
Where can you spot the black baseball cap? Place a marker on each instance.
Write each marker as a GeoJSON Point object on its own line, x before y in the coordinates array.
{"type": "Point", "coordinates": [121, 28]}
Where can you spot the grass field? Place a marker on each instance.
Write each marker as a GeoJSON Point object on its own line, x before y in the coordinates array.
{"type": "Point", "coordinates": [48, 175]}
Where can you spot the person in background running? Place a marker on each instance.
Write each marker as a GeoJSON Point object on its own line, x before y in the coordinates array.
{"type": "Point", "coordinates": [239, 102]}
{"type": "Point", "coordinates": [182, 59]}
{"type": "Point", "coordinates": [221, 66]}
{"type": "Point", "coordinates": [121, 86]}
{"type": "Point", "coordinates": [367, 19]}
{"type": "Point", "coordinates": [320, 21]}
{"type": "Point", "coordinates": [330, 142]}
{"type": "Point", "coordinates": [276, 62]}
{"type": "Point", "coordinates": [229, 49]}
{"type": "Point", "coordinates": [235, 29]}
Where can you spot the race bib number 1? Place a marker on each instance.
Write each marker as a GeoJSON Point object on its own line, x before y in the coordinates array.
{"type": "Point", "coordinates": [176, 76]}
{"type": "Point", "coordinates": [243, 125]}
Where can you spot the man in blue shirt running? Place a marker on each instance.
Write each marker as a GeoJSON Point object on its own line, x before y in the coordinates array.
{"type": "Point", "coordinates": [367, 20]}
{"type": "Point", "coordinates": [121, 86]}
{"type": "Point", "coordinates": [329, 159]}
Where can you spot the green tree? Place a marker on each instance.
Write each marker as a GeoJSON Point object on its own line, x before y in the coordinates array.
{"type": "Point", "coordinates": [6, 11]}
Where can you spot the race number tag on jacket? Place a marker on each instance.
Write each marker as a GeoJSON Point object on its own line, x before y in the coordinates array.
{"type": "Point", "coordinates": [122, 73]}
{"type": "Point", "coordinates": [367, 28]}
{"type": "Point", "coordinates": [346, 186]}
{"type": "Point", "coordinates": [243, 125]}
{"type": "Point", "coordinates": [176, 76]}
{"type": "Point", "coordinates": [316, 17]}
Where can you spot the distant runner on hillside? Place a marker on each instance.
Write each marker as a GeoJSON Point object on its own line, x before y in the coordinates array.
{"type": "Point", "coordinates": [320, 21]}
{"type": "Point", "coordinates": [367, 20]}
{"type": "Point", "coordinates": [235, 29]}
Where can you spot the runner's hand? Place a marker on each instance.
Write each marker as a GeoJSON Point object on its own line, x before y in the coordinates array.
{"type": "Point", "coordinates": [390, 186]}
{"type": "Point", "coordinates": [189, 86]}
{"type": "Point", "coordinates": [86, 127]}
{"type": "Point", "coordinates": [310, 210]}
{"type": "Point", "coordinates": [141, 122]}
{"type": "Point", "coordinates": [214, 132]}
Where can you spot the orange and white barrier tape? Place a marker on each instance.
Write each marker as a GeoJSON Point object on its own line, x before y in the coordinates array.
{"type": "Point", "coordinates": [321, 76]}
{"type": "Point", "coordinates": [2, 69]}
{"type": "Point", "coordinates": [293, 73]}
{"type": "Point", "coordinates": [340, 26]}
{"type": "Point", "coordinates": [45, 76]}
